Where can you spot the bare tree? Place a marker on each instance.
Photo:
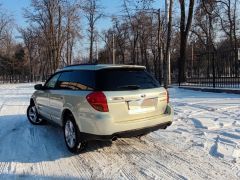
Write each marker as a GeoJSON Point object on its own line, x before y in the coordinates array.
{"type": "Point", "coordinates": [139, 36]}
{"type": "Point", "coordinates": [92, 12]}
{"type": "Point", "coordinates": [121, 37]}
{"type": "Point", "coordinates": [185, 26]}
{"type": "Point", "coordinates": [29, 40]}
{"type": "Point", "coordinates": [6, 24]}
{"type": "Point", "coordinates": [227, 13]}
{"type": "Point", "coordinates": [166, 60]}
{"type": "Point", "coordinates": [48, 16]}
{"type": "Point", "coordinates": [56, 27]}
{"type": "Point", "coordinates": [72, 29]}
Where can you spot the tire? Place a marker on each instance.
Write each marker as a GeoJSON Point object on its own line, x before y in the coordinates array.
{"type": "Point", "coordinates": [33, 115]}
{"type": "Point", "coordinates": [72, 135]}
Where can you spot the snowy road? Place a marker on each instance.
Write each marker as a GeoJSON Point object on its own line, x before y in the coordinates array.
{"type": "Point", "coordinates": [202, 143]}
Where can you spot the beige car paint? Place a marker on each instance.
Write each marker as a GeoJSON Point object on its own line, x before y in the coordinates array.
{"type": "Point", "coordinates": [128, 110]}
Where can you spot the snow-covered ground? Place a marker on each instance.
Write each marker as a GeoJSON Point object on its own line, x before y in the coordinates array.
{"type": "Point", "coordinates": [202, 143]}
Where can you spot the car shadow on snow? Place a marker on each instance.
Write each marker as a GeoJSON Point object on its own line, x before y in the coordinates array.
{"type": "Point", "coordinates": [23, 142]}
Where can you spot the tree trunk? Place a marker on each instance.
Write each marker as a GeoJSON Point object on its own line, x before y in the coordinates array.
{"type": "Point", "coordinates": [91, 47]}
{"type": "Point", "coordinates": [184, 31]}
{"type": "Point", "coordinates": [182, 60]}
{"type": "Point", "coordinates": [167, 52]}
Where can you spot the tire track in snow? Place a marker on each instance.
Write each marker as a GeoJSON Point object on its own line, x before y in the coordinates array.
{"type": "Point", "coordinates": [131, 168]}
{"type": "Point", "coordinates": [202, 108]}
{"type": "Point", "coordinates": [80, 167]}
{"type": "Point", "coordinates": [183, 158]}
{"type": "Point", "coordinates": [141, 158]}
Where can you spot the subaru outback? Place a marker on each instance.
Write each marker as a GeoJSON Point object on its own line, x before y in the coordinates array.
{"type": "Point", "coordinates": [101, 102]}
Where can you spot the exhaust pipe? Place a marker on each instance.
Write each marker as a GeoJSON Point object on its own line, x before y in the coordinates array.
{"type": "Point", "coordinates": [114, 138]}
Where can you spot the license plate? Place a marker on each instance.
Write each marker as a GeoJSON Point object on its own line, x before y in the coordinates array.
{"type": "Point", "coordinates": [142, 104]}
{"type": "Point", "coordinates": [149, 103]}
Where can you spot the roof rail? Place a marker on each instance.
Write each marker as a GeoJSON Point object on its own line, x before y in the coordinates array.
{"type": "Point", "coordinates": [83, 64]}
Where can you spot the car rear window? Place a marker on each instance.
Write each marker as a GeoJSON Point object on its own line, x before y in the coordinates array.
{"type": "Point", "coordinates": [123, 79]}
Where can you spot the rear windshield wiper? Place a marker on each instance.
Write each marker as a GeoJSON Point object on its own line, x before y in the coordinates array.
{"type": "Point", "coordinates": [132, 87]}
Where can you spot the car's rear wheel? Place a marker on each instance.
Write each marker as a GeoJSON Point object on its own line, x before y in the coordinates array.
{"type": "Point", "coordinates": [72, 135]}
{"type": "Point", "coordinates": [33, 115]}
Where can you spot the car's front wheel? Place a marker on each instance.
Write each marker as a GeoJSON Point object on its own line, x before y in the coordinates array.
{"type": "Point", "coordinates": [72, 136]}
{"type": "Point", "coordinates": [33, 115]}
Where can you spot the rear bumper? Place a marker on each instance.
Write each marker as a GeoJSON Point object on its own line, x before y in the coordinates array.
{"type": "Point", "coordinates": [124, 134]}
{"type": "Point", "coordinates": [104, 128]}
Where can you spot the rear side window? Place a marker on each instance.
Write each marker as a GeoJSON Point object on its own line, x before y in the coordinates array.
{"type": "Point", "coordinates": [124, 79]}
{"type": "Point", "coordinates": [76, 80]}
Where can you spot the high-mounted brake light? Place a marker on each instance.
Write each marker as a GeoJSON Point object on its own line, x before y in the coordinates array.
{"type": "Point", "coordinates": [98, 101]}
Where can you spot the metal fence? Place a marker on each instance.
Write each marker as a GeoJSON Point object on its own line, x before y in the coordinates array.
{"type": "Point", "coordinates": [209, 69]}
{"type": "Point", "coordinates": [213, 69]}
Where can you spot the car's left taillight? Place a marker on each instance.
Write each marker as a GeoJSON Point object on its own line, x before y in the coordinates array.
{"type": "Point", "coordinates": [98, 101]}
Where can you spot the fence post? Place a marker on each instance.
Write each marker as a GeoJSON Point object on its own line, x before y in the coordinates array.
{"type": "Point", "coordinates": [213, 70]}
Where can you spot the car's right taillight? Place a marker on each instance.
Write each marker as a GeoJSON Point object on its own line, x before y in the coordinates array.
{"type": "Point", "coordinates": [98, 101]}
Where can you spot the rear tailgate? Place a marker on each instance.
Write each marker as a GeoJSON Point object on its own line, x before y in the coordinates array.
{"type": "Point", "coordinates": [137, 104]}
{"type": "Point", "coordinates": [132, 93]}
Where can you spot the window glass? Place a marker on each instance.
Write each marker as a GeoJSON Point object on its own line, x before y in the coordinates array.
{"type": "Point", "coordinates": [125, 79]}
{"type": "Point", "coordinates": [77, 80]}
{"type": "Point", "coordinates": [52, 82]}
{"type": "Point", "coordinates": [63, 81]}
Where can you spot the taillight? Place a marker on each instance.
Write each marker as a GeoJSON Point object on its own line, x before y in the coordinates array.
{"type": "Point", "coordinates": [167, 96]}
{"type": "Point", "coordinates": [98, 101]}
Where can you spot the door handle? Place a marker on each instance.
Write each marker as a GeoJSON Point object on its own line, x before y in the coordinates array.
{"type": "Point", "coordinates": [56, 98]}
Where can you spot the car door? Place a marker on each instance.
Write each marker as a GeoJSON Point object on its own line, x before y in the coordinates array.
{"type": "Point", "coordinates": [42, 97]}
{"type": "Point", "coordinates": [42, 102]}
{"type": "Point", "coordinates": [71, 86]}
{"type": "Point", "coordinates": [56, 97]}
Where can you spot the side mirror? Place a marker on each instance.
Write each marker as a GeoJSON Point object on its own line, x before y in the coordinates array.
{"type": "Point", "coordinates": [38, 87]}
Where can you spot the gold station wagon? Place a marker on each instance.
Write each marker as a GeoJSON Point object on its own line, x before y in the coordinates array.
{"type": "Point", "coordinates": [101, 102]}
